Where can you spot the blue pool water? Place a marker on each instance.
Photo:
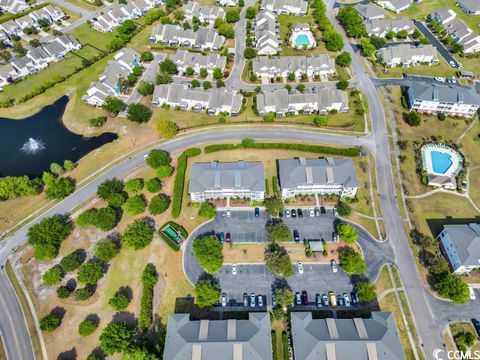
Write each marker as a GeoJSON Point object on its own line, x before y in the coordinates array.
{"type": "Point", "coordinates": [441, 162]}
{"type": "Point", "coordinates": [302, 39]}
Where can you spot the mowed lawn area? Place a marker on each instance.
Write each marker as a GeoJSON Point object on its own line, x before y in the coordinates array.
{"type": "Point", "coordinates": [442, 70]}
{"type": "Point", "coordinates": [85, 4]}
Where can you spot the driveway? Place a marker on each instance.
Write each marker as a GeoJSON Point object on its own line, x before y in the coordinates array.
{"type": "Point", "coordinates": [244, 227]}
{"type": "Point", "coordinates": [435, 42]}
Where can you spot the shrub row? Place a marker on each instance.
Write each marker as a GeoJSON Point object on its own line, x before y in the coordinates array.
{"type": "Point", "coordinates": [149, 279]}
{"type": "Point", "coordinates": [286, 355]}
{"type": "Point", "coordinates": [273, 335]}
{"type": "Point", "coordinates": [180, 180]}
{"type": "Point", "coordinates": [249, 144]}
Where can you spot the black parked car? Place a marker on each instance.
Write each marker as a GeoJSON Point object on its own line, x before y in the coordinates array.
{"type": "Point", "coordinates": [476, 324]}
{"type": "Point", "coordinates": [300, 213]}
{"type": "Point", "coordinates": [296, 236]}
{"type": "Point", "coordinates": [294, 213]}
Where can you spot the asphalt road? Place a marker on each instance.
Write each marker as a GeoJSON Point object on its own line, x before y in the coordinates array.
{"type": "Point", "coordinates": [435, 42]}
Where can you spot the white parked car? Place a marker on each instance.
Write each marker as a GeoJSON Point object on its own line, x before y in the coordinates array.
{"type": "Point", "coordinates": [300, 268]}
{"type": "Point", "coordinates": [441, 79]}
{"type": "Point", "coordinates": [234, 269]}
{"type": "Point", "coordinates": [333, 264]}
{"type": "Point", "coordinates": [312, 212]}
{"type": "Point", "coordinates": [287, 213]}
{"type": "Point", "coordinates": [224, 300]}
{"type": "Point", "coordinates": [472, 293]}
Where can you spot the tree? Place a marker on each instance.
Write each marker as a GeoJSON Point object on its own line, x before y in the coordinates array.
{"type": "Point", "coordinates": [63, 292]}
{"type": "Point", "coordinates": [145, 88]}
{"type": "Point", "coordinates": [367, 47]}
{"type": "Point", "coordinates": [343, 209]}
{"type": "Point", "coordinates": [52, 276]}
{"type": "Point", "coordinates": [207, 210]}
{"type": "Point", "coordinates": [167, 129]}
{"type": "Point", "coordinates": [139, 354]}
{"type": "Point", "coordinates": [284, 297]}
{"type": "Point", "coordinates": [452, 287]}
{"type": "Point", "coordinates": [208, 251]}
{"type": "Point", "coordinates": [50, 322]}
{"type": "Point", "coordinates": [351, 261]}
{"type": "Point", "coordinates": [146, 56]}
{"type": "Point", "coordinates": [116, 337]}
{"type": "Point", "coordinates": [251, 12]}
{"type": "Point", "coordinates": [149, 276]}
{"type": "Point", "coordinates": [134, 185]}
{"type": "Point", "coordinates": [333, 40]}
{"type": "Point", "coordinates": [104, 219]}
{"type": "Point", "coordinates": [227, 31]}
{"type": "Point", "coordinates": [163, 78]}
{"type": "Point", "coordinates": [273, 205]}
{"type": "Point", "coordinates": [416, 34]}
{"type": "Point", "coordinates": [127, 27]}
{"type": "Point", "coordinates": [232, 15]}
{"type": "Point", "coordinates": [153, 185]}
{"type": "Point", "coordinates": [157, 158]}
{"type": "Point", "coordinates": [178, 14]}
{"type": "Point", "coordinates": [203, 73]}
{"type": "Point", "coordinates": [320, 120]}
{"type": "Point", "coordinates": [135, 205]}
{"type": "Point", "coordinates": [278, 261]}
{"type": "Point", "coordinates": [412, 118]}
{"type": "Point", "coordinates": [300, 87]}
{"type": "Point", "coordinates": [207, 85]}
{"type": "Point", "coordinates": [90, 273]}
{"type": "Point", "coordinates": [83, 293]}
{"type": "Point", "coordinates": [278, 231]}
{"type": "Point", "coordinates": [366, 292]}
{"type": "Point", "coordinates": [347, 232]}
{"type": "Point", "coordinates": [342, 84]}
{"type": "Point", "coordinates": [106, 249]}
{"type": "Point", "coordinates": [138, 113]}
{"type": "Point", "coordinates": [168, 66]}
{"type": "Point", "coordinates": [15, 186]}
{"type": "Point", "coordinates": [98, 121]}
{"type": "Point", "coordinates": [59, 188]}
{"type": "Point", "coordinates": [138, 234]}
{"type": "Point", "coordinates": [56, 169]}
{"type": "Point", "coordinates": [87, 327]}
{"type": "Point", "coordinates": [119, 301]}
{"type": "Point", "coordinates": [352, 21]}
{"type": "Point", "coordinates": [164, 171]}
{"type": "Point", "coordinates": [69, 165]}
{"type": "Point", "coordinates": [189, 71]}
{"type": "Point", "coordinates": [159, 204]}
{"type": "Point", "coordinates": [113, 105]}
{"type": "Point", "coordinates": [390, 35]}
{"type": "Point", "coordinates": [344, 59]}
{"type": "Point", "coordinates": [71, 262]}
{"type": "Point", "coordinates": [378, 42]}
{"type": "Point", "coordinates": [207, 293]}
{"type": "Point", "coordinates": [402, 34]}
{"type": "Point", "coordinates": [195, 83]}
{"type": "Point", "coordinates": [249, 53]}
{"type": "Point", "coordinates": [47, 235]}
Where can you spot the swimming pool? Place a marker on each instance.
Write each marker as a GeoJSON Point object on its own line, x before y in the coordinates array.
{"type": "Point", "coordinates": [441, 161]}
{"type": "Point", "coordinates": [302, 39]}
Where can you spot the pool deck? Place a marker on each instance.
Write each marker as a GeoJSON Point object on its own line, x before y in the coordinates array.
{"type": "Point", "coordinates": [455, 158]}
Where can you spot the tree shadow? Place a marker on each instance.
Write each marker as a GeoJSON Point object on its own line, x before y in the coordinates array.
{"type": "Point", "coordinates": [71, 284]}
{"type": "Point", "coordinates": [94, 318]}
{"type": "Point", "coordinates": [125, 317]}
{"type": "Point", "coordinates": [280, 283]}
{"type": "Point", "coordinates": [98, 353]}
{"type": "Point", "coordinates": [82, 254]}
{"type": "Point", "coordinates": [68, 355]}
{"type": "Point", "coordinates": [127, 291]}
{"type": "Point", "coordinates": [58, 312]}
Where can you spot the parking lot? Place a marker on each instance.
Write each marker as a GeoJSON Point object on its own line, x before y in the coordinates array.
{"type": "Point", "coordinates": [244, 227]}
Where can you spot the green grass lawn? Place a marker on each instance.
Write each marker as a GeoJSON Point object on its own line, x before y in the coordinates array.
{"type": "Point", "coordinates": [86, 35]}
{"type": "Point", "coordinates": [442, 70]}
{"type": "Point", "coordinates": [85, 4]}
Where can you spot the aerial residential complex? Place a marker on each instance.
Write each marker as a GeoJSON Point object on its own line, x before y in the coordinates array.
{"type": "Point", "coordinates": [461, 246]}
{"type": "Point", "coordinates": [272, 67]}
{"type": "Point", "coordinates": [362, 339]}
{"type": "Point", "coordinates": [267, 33]}
{"type": "Point", "coordinates": [471, 7]}
{"type": "Point", "coordinates": [448, 99]}
{"type": "Point", "coordinates": [381, 27]}
{"type": "Point", "coordinates": [214, 101]}
{"type": "Point", "coordinates": [175, 35]}
{"type": "Point", "coordinates": [219, 180]}
{"type": "Point", "coordinates": [186, 59]}
{"type": "Point", "coordinates": [461, 33]}
{"type": "Point", "coordinates": [317, 176]}
{"type": "Point", "coordinates": [107, 85]}
{"type": "Point", "coordinates": [318, 101]}
{"type": "Point", "coordinates": [408, 55]}
{"type": "Point", "coordinates": [203, 13]}
{"type": "Point", "coordinates": [13, 6]}
{"type": "Point", "coordinates": [294, 7]}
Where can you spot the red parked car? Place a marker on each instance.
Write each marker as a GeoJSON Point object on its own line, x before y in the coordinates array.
{"type": "Point", "coordinates": [304, 298]}
{"type": "Point", "coordinates": [228, 239]}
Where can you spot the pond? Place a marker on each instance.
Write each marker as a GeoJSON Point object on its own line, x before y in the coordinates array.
{"type": "Point", "coordinates": [29, 146]}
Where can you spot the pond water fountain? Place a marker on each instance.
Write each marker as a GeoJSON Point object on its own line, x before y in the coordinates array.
{"type": "Point", "coordinates": [33, 146]}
